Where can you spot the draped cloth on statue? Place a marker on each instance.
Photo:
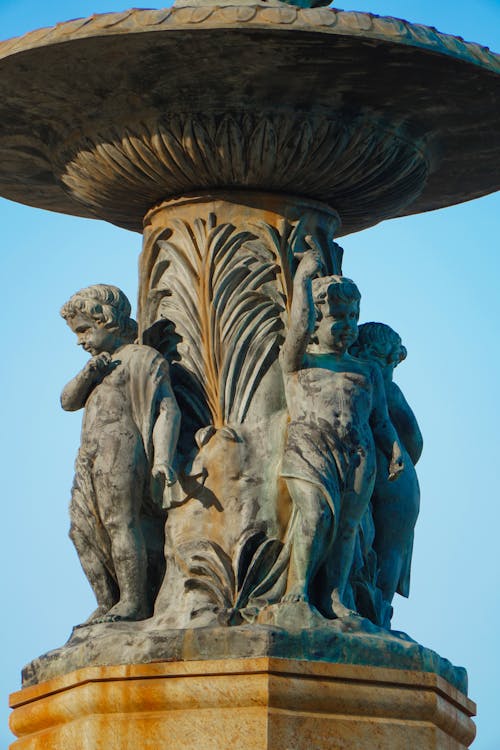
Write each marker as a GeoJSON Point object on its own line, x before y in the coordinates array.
{"type": "Point", "coordinates": [318, 456]}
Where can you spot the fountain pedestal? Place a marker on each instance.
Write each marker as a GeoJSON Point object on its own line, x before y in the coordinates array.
{"type": "Point", "coordinates": [257, 704]}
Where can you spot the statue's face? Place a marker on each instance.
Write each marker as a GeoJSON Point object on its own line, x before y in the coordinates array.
{"type": "Point", "coordinates": [338, 328]}
{"type": "Point", "coordinates": [93, 336]}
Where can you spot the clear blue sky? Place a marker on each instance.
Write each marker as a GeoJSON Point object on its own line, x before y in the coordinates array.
{"type": "Point", "coordinates": [434, 277]}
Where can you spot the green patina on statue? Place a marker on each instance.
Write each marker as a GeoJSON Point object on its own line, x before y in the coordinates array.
{"type": "Point", "coordinates": [394, 505]}
{"type": "Point", "coordinates": [256, 493]}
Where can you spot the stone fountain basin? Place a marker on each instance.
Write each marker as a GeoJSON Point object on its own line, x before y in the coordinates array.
{"type": "Point", "coordinates": [106, 116]}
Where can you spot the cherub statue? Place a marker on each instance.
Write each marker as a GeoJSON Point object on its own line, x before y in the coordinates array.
{"type": "Point", "coordinates": [395, 505]}
{"type": "Point", "coordinates": [337, 405]}
{"type": "Point", "coordinates": [126, 458]}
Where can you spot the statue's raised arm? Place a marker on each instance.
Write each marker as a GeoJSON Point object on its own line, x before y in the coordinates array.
{"type": "Point", "coordinates": [302, 313]}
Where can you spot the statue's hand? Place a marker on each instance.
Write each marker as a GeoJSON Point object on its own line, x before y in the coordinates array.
{"type": "Point", "coordinates": [396, 467]}
{"type": "Point", "coordinates": [165, 477]}
{"type": "Point", "coordinates": [165, 472]}
{"type": "Point", "coordinates": [99, 366]}
{"type": "Point", "coordinates": [311, 263]}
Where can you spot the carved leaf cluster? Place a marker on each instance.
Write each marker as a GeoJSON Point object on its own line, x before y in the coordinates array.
{"type": "Point", "coordinates": [213, 282]}
{"type": "Point", "coordinates": [230, 583]}
{"type": "Point", "coordinates": [287, 243]}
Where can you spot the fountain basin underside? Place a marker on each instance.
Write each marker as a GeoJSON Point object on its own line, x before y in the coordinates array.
{"type": "Point", "coordinates": [107, 116]}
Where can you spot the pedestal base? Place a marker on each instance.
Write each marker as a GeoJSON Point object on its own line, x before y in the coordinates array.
{"type": "Point", "coordinates": [248, 703]}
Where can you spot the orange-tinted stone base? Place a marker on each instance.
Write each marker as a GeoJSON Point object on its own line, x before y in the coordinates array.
{"type": "Point", "coordinates": [251, 704]}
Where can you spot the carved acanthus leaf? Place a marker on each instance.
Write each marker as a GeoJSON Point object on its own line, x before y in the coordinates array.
{"type": "Point", "coordinates": [230, 582]}
{"type": "Point", "coordinates": [213, 283]}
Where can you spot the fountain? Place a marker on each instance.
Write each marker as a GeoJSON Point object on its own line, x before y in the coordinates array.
{"type": "Point", "coordinates": [241, 138]}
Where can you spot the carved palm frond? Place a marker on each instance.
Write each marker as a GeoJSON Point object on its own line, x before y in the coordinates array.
{"type": "Point", "coordinates": [278, 239]}
{"type": "Point", "coordinates": [288, 242]}
{"type": "Point", "coordinates": [256, 558]}
{"type": "Point", "coordinates": [210, 570]}
{"type": "Point", "coordinates": [214, 283]}
{"type": "Point", "coordinates": [231, 583]}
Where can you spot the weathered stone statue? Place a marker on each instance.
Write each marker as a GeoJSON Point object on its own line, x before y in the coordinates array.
{"type": "Point", "coordinates": [126, 458]}
{"type": "Point", "coordinates": [337, 406]}
{"type": "Point", "coordinates": [395, 506]}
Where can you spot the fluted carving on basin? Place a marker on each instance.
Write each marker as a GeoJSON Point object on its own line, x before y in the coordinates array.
{"type": "Point", "coordinates": [352, 163]}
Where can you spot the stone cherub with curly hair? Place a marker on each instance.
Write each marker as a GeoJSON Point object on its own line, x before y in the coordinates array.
{"type": "Point", "coordinates": [126, 458]}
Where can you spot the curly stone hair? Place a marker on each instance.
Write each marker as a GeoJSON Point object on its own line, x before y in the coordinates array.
{"type": "Point", "coordinates": [334, 289]}
{"type": "Point", "coordinates": [105, 304]}
{"type": "Point", "coordinates": [378, 341]}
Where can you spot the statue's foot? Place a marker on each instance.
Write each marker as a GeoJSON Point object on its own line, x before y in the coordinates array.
{"type": "Point", "coordinates": [96, 616]}
{"type": "Point", "coordinates": [295, 595]}
{"type": "Point", "coordinates": [339, 609]}
{"type": "Point", "coordinates": [386, 612]}
{"type": "Point", "coordinates": [123, 611]}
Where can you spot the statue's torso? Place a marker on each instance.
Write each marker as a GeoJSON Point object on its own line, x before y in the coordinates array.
{"type": "Point", "coordinates": [325, 392]}
{"type": "Point", "coordinates": [108, 410]}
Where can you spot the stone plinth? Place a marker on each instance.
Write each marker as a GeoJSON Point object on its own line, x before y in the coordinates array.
{"type": "Point", "coordinates": [247, 703]}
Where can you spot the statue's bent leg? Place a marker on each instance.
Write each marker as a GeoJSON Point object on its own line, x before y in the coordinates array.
{"type": "Point", "coordinates": [395, 512]}
{"type": "Point", "coordinates": [312, 537]}
{"type": "Point", "coordinates": [390, 572]}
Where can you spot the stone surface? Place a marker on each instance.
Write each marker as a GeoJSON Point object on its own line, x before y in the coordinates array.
{"type": "Point", "coordinates": [83, 132]}
{"type": "Point", "coordinates": [348, 640]}
{"type": "Point", "coordinates": [265, 703]}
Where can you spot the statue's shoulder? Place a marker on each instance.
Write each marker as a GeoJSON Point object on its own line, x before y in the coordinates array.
{"type": "Point", "coordinates": [371, 369]}
{"type": "Point", "coordinates": [140, 350]}
{"type": "Point", "coordinates": [141, 354]}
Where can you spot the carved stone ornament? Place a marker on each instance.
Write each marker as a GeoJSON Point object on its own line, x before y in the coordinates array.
{"type": "Point", "coordinates": [245, 484]}
{"type": "Point", "coordinates": [349, 163]}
